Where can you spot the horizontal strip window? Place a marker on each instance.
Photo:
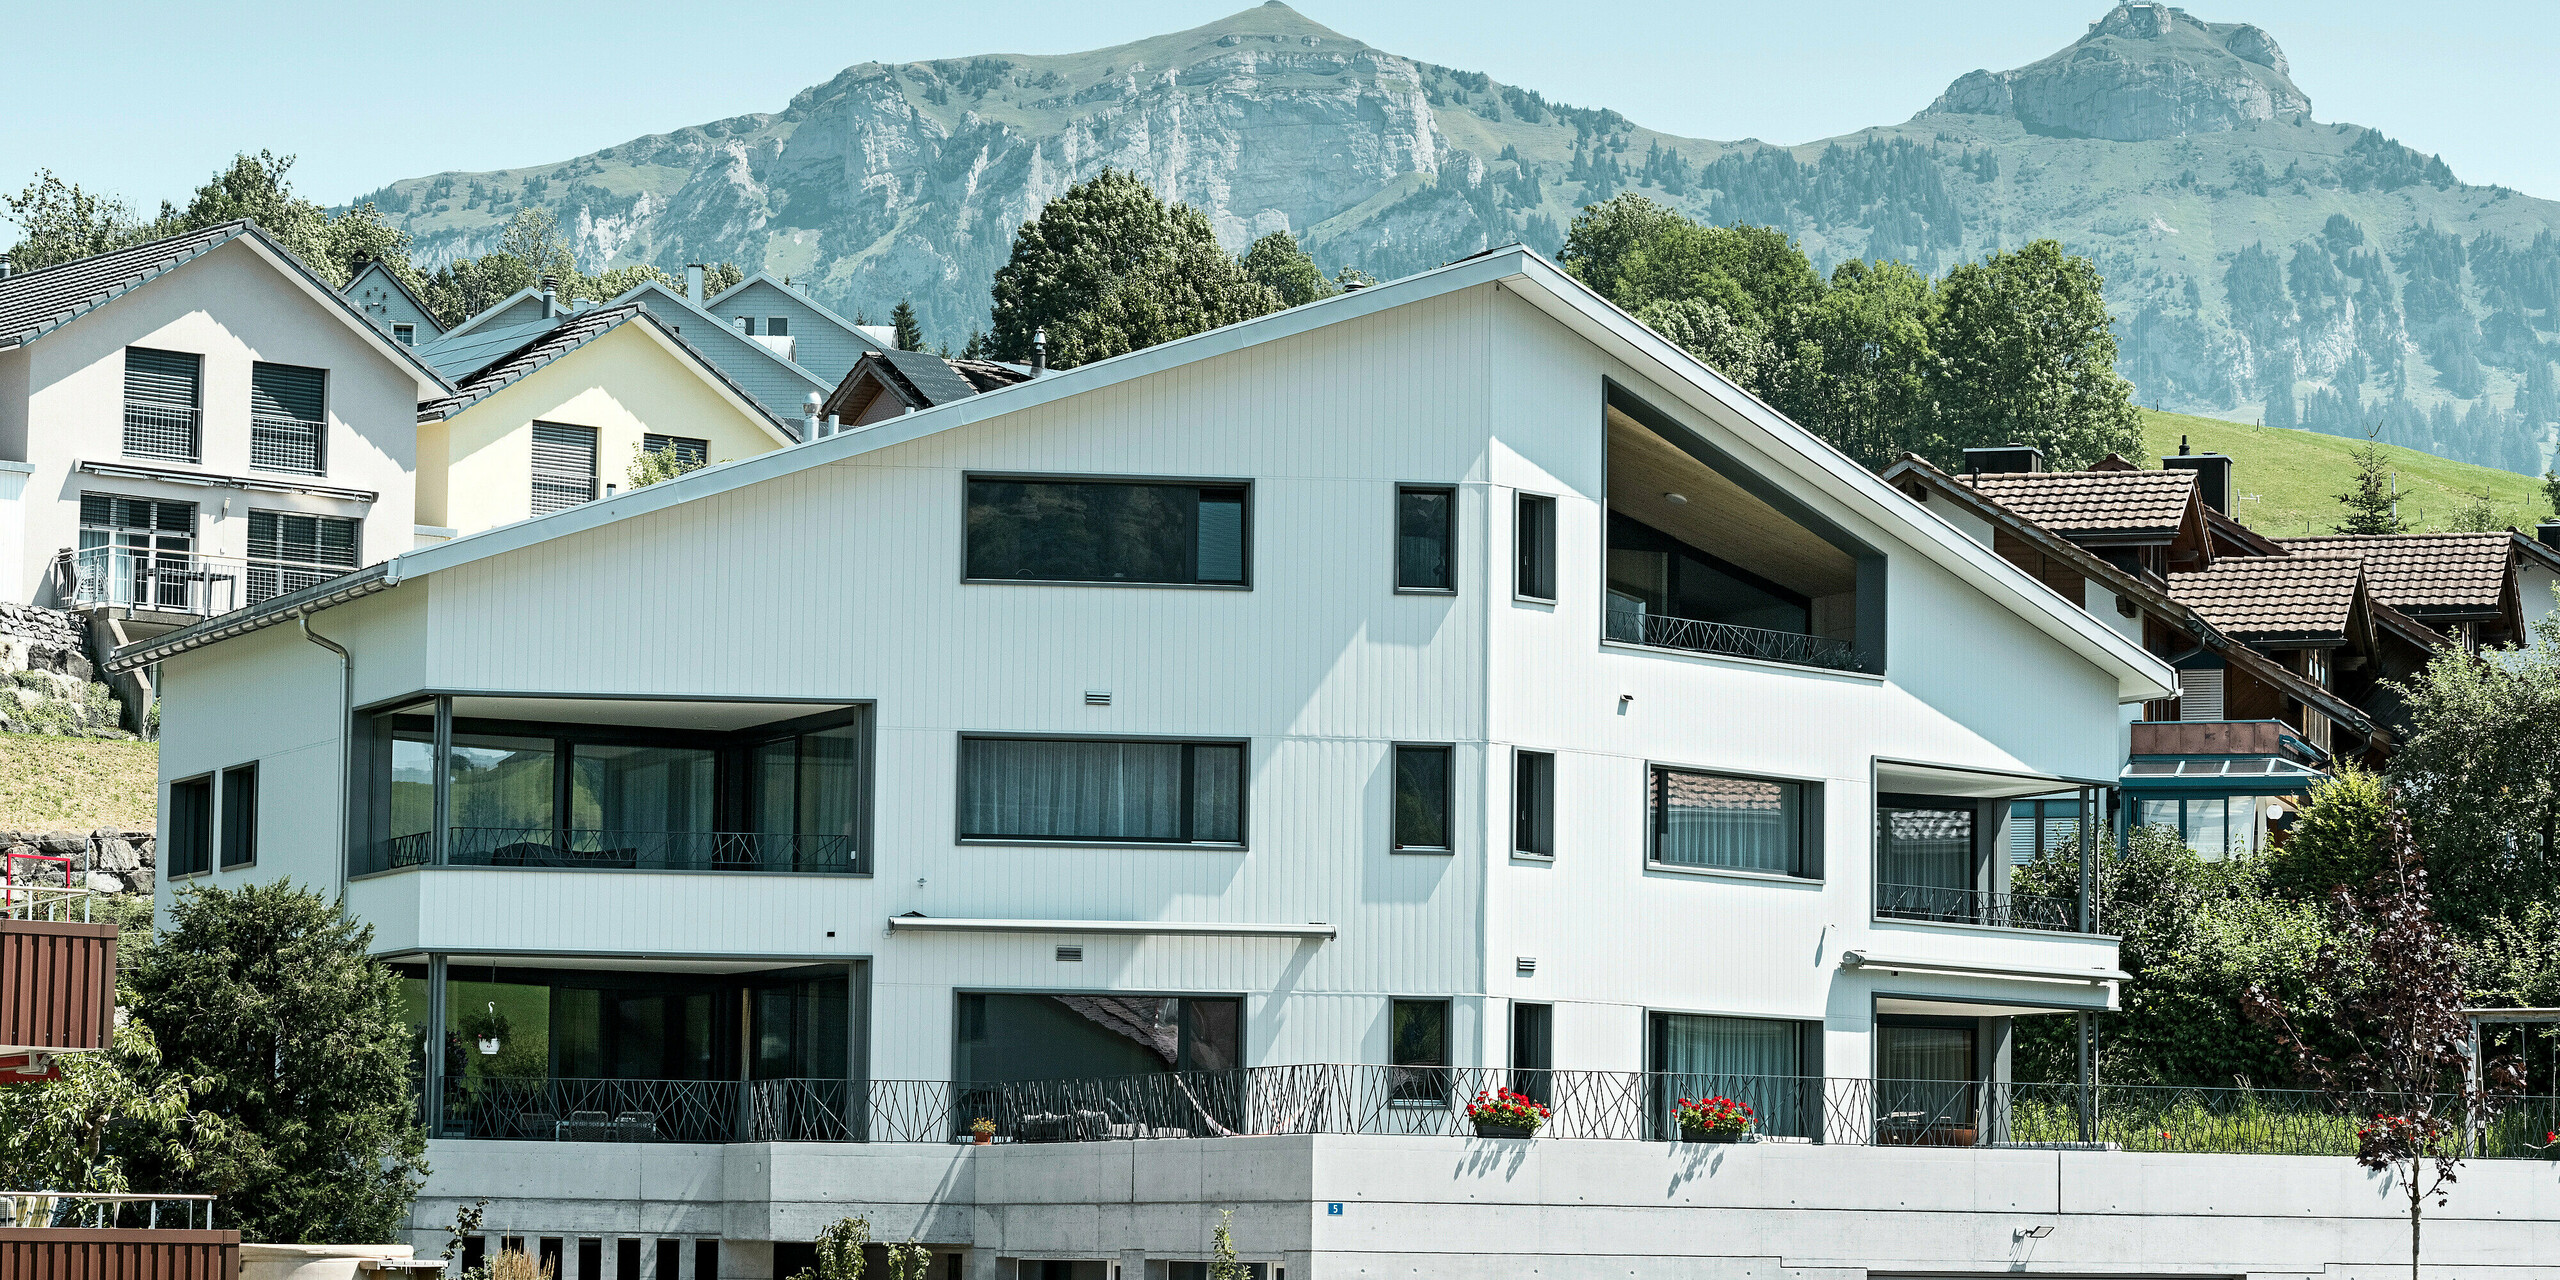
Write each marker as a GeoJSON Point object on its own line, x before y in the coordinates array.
{"type": "Point", "coordinates": [1713, 821]}
{"type": "Point", "coordinates": [1111, 532]}
{"type": "Point", "coordinates": [1102, 791]}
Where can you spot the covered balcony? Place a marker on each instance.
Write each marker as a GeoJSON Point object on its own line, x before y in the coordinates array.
{"type": "Point", "coordinates": [2225, 786]}
{"type": "Point", "coordinates": [1707, 556]}
{"type": "Point", "coordinates": [1947, 841]}
{"type": "Point", "coordinates": [176, 584]}
{"type": "Point", "coordinates": [598, 784]}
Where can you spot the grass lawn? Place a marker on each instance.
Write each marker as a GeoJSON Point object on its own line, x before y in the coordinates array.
{"type": "Point", "coordinates": [2287, 482]}
{"type": "Point", "coordinates": [77, 784]}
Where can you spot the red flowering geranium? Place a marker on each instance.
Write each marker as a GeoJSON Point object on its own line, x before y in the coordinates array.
{"type": "Point", "coordinates": [1714, 1115]}
{"type": "Point", "coordinates": [1505, 1107]}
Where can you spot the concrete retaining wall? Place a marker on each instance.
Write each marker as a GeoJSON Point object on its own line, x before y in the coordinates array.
{"type": "Point", "coordinates": [1568, 1210]}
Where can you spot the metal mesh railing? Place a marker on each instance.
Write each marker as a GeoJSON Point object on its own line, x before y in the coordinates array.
{"type": "Point", "coordinates": [1637, 626]}
{"type": "Point", "coordinates": [285, 444]}
{"type": "Point", "coordinates": [1944, 904]}
{"type": "Point", "coordinates": [161, 431]}
{"type": "Point", "coordinates": [182, 581]}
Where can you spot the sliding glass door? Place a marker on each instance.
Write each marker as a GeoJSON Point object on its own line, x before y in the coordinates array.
{"type": "Point", "coordinates": [1760, 1062]}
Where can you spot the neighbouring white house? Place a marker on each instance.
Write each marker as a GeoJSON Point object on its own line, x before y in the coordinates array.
{"type": "Point", "coordinates": [195, 425]}
{"type": "Point", "coordinates": [1291, 730]}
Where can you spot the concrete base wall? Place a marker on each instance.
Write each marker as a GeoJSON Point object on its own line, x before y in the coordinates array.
{"type": "Point", "coordinates": [1558, 1210]}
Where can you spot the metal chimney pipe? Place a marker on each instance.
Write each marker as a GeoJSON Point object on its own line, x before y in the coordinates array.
{"type": "Point", "coordinates": [809, 418]}
{"type": "Point", "coordinates": [833, 426]}
{"type": "Point", "coordinates": [4, 266]}
{"type": "Point", "coordinates": [1039, 351]}
{"type": "Point", "coordinates": [693, 282]}
{"type": "Point", "coordinates": [550, 299]}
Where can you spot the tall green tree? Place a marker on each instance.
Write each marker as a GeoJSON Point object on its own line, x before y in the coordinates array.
{"type": "Point", "coordinates": [58, 221]}
{"type": "Point", "coordinates": [2372, 500]}
{"type": "Point", "coordinates": [1109, 268]}
{"type": "Point", "coordinates": [1860, 369]}
{"type": "Point", "coordinates": [297, 1046]}
{"type": "Point", "coordinates": [1277, 262]}
{"type": "Point", "coordinates": [907, 333]}
{"type": "Point", "coordinates": [2026, 354]}
{"type": "Point", "coordinates": [2478, 778]}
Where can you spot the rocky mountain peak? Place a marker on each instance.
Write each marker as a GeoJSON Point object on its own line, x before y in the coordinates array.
{"type": "Point", "coordinates": [2143, 71]}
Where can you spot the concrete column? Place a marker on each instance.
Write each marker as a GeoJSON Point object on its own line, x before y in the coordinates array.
{"type": "Point", "coordinates": [746, 1260]}
{"type": "Point", "coordinates": [983, 1264]}
{"type": "Point", "coordinates": [432, 1106]}
{"type": "Point", "coordinates": [1133, 1264]}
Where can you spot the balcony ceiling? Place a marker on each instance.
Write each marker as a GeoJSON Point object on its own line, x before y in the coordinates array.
{"type": "Point", "coordinates": [1970, 784]}
{"type": "Point", "coordinates": [655, 713]}
{"type": "Point", "coordinates": [1719, 517]}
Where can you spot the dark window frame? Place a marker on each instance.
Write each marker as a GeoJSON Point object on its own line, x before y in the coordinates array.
{"type": "Point", "coordinates": [1535, 560]}
{"type": "Point", "coordinates": [1808, 861]}
{"type": "Point", "coordinates": [1449, 555]}
{"type": "Point", "coordinates": [1533, 803]}
{"type": "Point", "coordinates": [693, 451]}
{"type": "Point", "coordinates": [1245, 531]}
{"type": "Point", "coordinates": [237, 834]}
{"type": "Point", "coordinates": [1244, 792]}
{"type": "Point", "coordinates": [194, 409]}
{"type": "Point", "coordinates": [595, 467]}
{"type": "Point", "coordinates": [189, 850]}
{"type": "Point", "coordinates": [318, 425]}
{"type": "Point", "coordinates": [1448, 753]}
{"type": "Point", "coordinates": [1428, 1085]}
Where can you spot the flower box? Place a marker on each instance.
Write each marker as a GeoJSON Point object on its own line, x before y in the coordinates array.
{"type": "Point", "coordinates": [1713, 1120]}
{"type": "Point", "coordinates": [1505, 1114]}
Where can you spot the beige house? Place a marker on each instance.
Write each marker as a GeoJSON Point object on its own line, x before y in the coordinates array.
{"type": "Point", "coordinates": [194, 425]}
{"type": "Point", "coordinates": [561, 418]}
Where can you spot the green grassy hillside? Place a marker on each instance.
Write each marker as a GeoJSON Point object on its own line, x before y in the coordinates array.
{"type": "Point", "coordinates": [2287, 482]}
{"type": "Point", "coordinates": [77, 784]}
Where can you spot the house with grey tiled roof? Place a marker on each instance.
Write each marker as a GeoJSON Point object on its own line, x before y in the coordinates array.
{"type": "Point", "coordinates": [387, 300]}
{"type": "Point", "coordinates": [884, 384]}
{"type": "Point", "coordinates": [811, 336]}
{"type": "Point", "coordinates": [194, 425]}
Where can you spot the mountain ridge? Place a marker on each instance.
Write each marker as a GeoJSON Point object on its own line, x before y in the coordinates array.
{"type": "Point", "coordinates": [908, 180]}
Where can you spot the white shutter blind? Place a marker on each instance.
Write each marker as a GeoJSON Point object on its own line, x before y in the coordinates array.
{"type": "Point", "coordinates": [2200, 695]}
{"type": "Point", "coordinates": [564, 466]}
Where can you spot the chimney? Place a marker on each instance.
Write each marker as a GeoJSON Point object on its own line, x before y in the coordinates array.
{"type": "Point", "coordinates": [833, 426]}
{"type": "Point", "coordinates": [1039, 351]}
{"type": "Point", "coordinates": [4, 266]}
{"type": "Point", "coordinates": [550, 298]}
{"type": "Point", "coordinates": [2007, 459]}
{"type": "Point", "coordinates": [809, 418]}
{"type": "Point", "coordinates": [2213, 474]}
{"type": "Point", "coordinates": [2548, 534]}
{"type": "Point", "coordinates": [693, 282]}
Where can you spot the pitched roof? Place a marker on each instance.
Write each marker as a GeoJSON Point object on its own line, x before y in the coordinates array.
{"type": "Point", "coordinates": [989, 375]}
{"type": "Point", "coordinates": [2433, 572]}
{"type": "Point", "coordinates": [861, 333]}
{"type": "Point", "coordinates": [567, 335]}
{"type": "Point", "coordinates": [2295, 597]}
{"type": "Point", "coordinates": [1793, 452]}
{"type": "Point", "coordinates": [2153, 503]}
{"type": "Point", "coordinates": [39, 302]}
{"type": "Point", "coordinates": [378, 268]}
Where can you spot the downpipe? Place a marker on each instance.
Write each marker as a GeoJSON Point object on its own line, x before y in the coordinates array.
{"type": "Point", "coordinates": [346, 718]}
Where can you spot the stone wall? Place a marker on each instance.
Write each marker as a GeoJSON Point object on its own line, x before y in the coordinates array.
{"type": "Point", "coordinates": [118, 862]}
{"type": "Point", "coordinates": [51, 682]}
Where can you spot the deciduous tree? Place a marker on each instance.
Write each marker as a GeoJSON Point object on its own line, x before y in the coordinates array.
{"type": "Point", "coordinates": [1109, 268]}
{"type": "Point", "coordinates": [2027, 355]}
{"type": "Point", "coordinates": [1278, 263]}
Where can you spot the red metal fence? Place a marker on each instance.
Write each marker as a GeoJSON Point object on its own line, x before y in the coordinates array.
{"type": "Point", "coordinates": [57, 986]}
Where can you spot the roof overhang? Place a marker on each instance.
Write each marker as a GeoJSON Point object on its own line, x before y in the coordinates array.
{"type": "Point", "coordinates": [1915, 778]}
{"type": "Point", "coordinates": [1864, 962]}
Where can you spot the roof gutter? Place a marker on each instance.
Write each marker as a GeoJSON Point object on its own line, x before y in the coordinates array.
{"type": "Point", "coordinates": [282, 609]}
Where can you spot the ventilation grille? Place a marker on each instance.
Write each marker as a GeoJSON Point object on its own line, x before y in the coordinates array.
{"type": "Point", "coordinates": [1097, 697]}
{"type": "Point", "coordinates": [1070, 955]}
{"type": "Point", "coordinates": [1528, 965]}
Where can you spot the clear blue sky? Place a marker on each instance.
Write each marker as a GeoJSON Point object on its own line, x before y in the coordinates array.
{"type": "Point", "coordinates": [367, 93]}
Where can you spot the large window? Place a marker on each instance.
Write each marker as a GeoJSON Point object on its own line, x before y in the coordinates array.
{"type": "Point", "coordinates": [1422, 799]}
{"type": "Point", "coordinates": [190, 826]}
{"type": "Point", "coordinates": [163, 404]}
{"type": "Point", "coordinates": [1009, 1038]}
{"type": "Point", "coordinates": [140, 552]}
{"type": "Point", "coordinates": [1926, 1069]}
{"type": "Point", "coordinates": [289, 551]}
{"type": "Point", "coordinates": [2215, 826]}
{"type": "Point", "coordinates": [564, 466]}
{"type": "Point", "coordinates": [1760, 1062]}
{"type": "Point", "coordinates": [1101, 790]}
{"type": "Point", "coordinates": [288, 423]}
{"type": "Point", "coordinates": [1426, 538]}
{"type": "Point", "coordinates": [1713, 820]}
{"type": "Point", "coordinates": [1115, 532]}
{"type": "Point", "coordinates": [1925, 859]}
{"type": "Point", "coordinates": [2039, 827]}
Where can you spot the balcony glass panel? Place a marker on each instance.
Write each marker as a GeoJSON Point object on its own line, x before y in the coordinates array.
{"type": "Point", "coordinates": [1925, 863]}
{"type": "Point", "coordinates": [503, 792]}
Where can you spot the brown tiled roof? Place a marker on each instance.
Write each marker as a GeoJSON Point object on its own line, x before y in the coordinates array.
{"type": "Point", "coordinates": [2069, 502]}
{"type": "Point", "coordinates": [2458, 571]}
{"type": "Point", "coordinates": [2295, 597]}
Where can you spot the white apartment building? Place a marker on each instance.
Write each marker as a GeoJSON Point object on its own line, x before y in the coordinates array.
{"type": "Point", "coordinates": [196, 425]}
{"type": "Point", "coordinates": [1291, 729]}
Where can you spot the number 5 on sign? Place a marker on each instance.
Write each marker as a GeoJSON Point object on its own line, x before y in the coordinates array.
{"type": "Point", "coordinates": [1333, 1208]}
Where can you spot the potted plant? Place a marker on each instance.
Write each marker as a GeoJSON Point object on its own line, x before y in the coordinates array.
{"type": "Point", "coordinates": [490, 1028]}
{"type": "Point", "coordinates": [1506, 1114]}
{"type": "Point", "coordinates": [1713, 1119]}
{"type": "Point", "coordinates": [982, 1131]}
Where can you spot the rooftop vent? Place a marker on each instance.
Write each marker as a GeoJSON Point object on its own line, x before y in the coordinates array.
{"type": "Point", "coordinates": [2213, 474]}
{"type": "Point", "coordinates": [1070, 955]}
{"type": "Point", "coordinates": [2007, 459]}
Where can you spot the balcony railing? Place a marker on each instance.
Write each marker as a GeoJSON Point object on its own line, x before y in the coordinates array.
{"type": "Point", "coordinates": [107, 1210]}
{"type": "Point", "coordinates": [185, 582]}
{"type": "Point", "coordinates": [161, 431]}
{"type": "Point", "coordinates": [285, 444]}
{"type": "Point", "coordinates": [1942, 904]}
{"type": "Point", "coordinates": [1637, 626]}
{"type": "Point", "coordinates": [608, 850]}
{"type": "Point", "coordinates": [1431, 1102]}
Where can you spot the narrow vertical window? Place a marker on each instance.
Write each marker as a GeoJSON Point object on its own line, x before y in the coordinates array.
{"type": "Point", "coordinates": [1422, 799]}
{"type": "Point", "coordinates": [1426, 538]}
{"type": "Point", "coordinates": [288, 430]}
{"type": "Point", "coordinates": [1418, 1034]}
{"type": "Point", "coordinates": [1533, 1056]}
{"type": "Point", "coordinates": [1535, 531]}
{"type": "Point", "coordinates": [163, 403]}
{"type": "Point", "coordinates": [239, 816]}
{"type": "Point", "coordinates": [1533, 803]}
{"type": "Point", "coordinates": [190, 826]}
